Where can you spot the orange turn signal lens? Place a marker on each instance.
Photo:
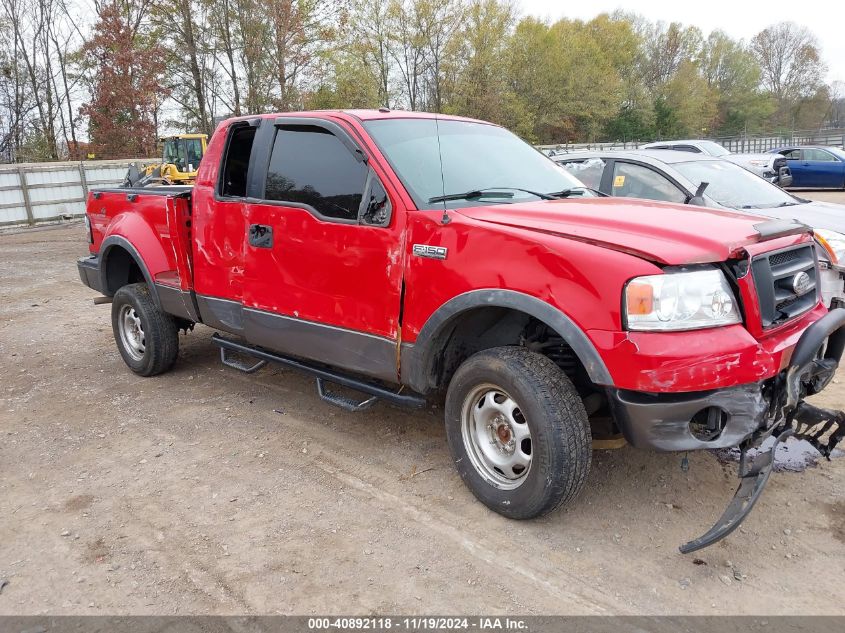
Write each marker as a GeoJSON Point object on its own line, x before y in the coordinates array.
{"type": "Point", "coordinates": [639, 298]}
{"type": "Point", "coordinates": [827, 247]}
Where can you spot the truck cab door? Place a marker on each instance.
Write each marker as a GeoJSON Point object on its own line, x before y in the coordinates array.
{"type": "Point", "coordinates": [798, 167]}
{"type": "Point", "coordinates": [823, 168]}
{"type": "Point", "coordinates": [324, 266]}
{"type": "Point", "coordinates": [219, 227]}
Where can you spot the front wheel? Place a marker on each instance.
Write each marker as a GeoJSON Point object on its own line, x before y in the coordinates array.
{"type": "Point", "coordinates": [518, 432]}
{"type": "Point", "coordinates": [147, 337]}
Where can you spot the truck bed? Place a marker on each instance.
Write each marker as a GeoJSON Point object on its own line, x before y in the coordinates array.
{"type": "Point", "coordinates": [164, 190]}
{"type": "Point", "coordinates": [152, 227]}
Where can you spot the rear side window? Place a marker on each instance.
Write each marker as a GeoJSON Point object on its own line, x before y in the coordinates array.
{"type": "Point", "coordinates": [792, 154]}
{"type": "Point", "coordinates": [587, 171]}
{"type": "Point", "coordinates": [311, 166]}
{"type": "Point", "coordinates": [686, 148]}
{"type": "Point", "coordinates": [636, 181]}
{"type": "Point", "coordinates": [818, 155]}
{"type": "Point", "coordinates": [236, 162]}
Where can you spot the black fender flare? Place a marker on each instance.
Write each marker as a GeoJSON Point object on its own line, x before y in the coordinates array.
{"type": "Point", "coordinates": [417, 358]}
{"type": "Point", "coordinates": [106, 248]}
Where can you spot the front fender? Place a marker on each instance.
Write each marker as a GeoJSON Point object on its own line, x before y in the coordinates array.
{"type": "Point", "coordinates": [418, 359]}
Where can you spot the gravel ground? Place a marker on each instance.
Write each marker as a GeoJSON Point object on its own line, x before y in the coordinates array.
{"type": "Point", "coordinates": [205, 491]}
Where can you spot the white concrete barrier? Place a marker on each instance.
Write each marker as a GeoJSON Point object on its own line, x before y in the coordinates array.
{"type": "Point", "coordinates": [44, 192]}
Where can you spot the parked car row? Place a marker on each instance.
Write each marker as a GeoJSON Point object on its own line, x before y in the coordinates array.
{"type": "Point", "coordinates": [809, 166]}
{"type": "Point", "coordinates": [772, 167]}
{"type": "Point", "coordinates": [700, 179]}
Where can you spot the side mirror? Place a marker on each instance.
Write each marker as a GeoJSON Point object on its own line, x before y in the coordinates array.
{"type": "Point", "coordinates": [698, 199]}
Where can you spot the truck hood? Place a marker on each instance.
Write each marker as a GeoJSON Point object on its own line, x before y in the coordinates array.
{"type": "Point", "coordinates": [659, 232]}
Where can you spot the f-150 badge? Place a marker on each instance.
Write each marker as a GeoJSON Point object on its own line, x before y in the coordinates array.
{"type": "Point", "coordinates": [433, 252]}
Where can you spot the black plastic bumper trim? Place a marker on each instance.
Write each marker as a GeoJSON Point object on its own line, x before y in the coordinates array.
{"type": "Point", "coordinates": [89, 272]}
{"type": "Point", "coordinates": [750, 488]}
{"type": "Point", "coordinates": [806, 359]}
{"type": "Point", "coordinates": [661, 421]}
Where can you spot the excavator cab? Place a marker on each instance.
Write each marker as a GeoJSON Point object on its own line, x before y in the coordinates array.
{"type": "Point", "coordinates": [181, 156]}
{"type": "Point", "coordinates": [184, 153]}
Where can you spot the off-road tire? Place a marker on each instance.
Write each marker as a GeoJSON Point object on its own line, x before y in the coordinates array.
{"type": "Point", "coordinates": [561, 444]}
{"type": "Point", "coordinates": [160, 331]}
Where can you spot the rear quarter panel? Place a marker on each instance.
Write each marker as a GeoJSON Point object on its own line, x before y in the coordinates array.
{"type": "Point", "coordinates": [144, 224]}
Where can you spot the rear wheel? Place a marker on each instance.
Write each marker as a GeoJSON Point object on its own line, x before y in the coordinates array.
{"type": "Point", "coordinates": [518, 432]}
{"type": "Point", "coordinates": [147, 338]}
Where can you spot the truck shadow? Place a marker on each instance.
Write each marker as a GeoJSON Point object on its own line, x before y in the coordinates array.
{"type": "Point", "coordinates": [626, 488]}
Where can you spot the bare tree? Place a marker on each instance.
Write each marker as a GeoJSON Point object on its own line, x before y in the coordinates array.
{"type": "Point", "coordinates": [408, 49]}
{"type": "Point", "coordinates": [789, 60]}
{"type": "Point", "coordinates": [182, 24]}
{"type": "Point", "coordinates": [222, 21]}
{"type": "Point", "coordinates": [369, 33]}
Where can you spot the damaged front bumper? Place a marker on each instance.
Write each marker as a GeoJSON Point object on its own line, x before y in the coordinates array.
{"type": "Point", "coordinates": [744, 416]}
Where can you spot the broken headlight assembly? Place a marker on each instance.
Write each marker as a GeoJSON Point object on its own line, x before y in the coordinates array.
{"type": "Point", "coordinates": [680, 300]}
{"type": "Point", "coordinates": [833, 244]}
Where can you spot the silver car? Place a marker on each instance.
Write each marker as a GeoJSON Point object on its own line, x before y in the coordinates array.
{"type": "Point", "coordinates": [766, 166]}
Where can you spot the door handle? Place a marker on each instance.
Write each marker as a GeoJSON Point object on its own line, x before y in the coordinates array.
{"type": "Point", "coordinates": [260, 236]}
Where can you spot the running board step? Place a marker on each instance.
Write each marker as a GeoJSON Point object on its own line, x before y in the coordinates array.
{"type": "Point", "coordinates": [322, 374]}
{"type": "Point", "coordinates": [226, 359]}
{"type": "Point", "coordinates": [342, 401]}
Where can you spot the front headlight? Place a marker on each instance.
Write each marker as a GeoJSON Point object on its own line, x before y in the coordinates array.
{"type": "Point", "coordinates": [680, 301]}
{"type": "Point", "coordinates": [833, 243]}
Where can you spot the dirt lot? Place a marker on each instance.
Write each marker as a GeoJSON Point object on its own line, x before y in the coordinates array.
{"type": "Point", "coordinates": [208, 491]}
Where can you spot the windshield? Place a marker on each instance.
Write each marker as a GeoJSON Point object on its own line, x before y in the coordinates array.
{"type": "Point", "coordinates": [714, 149]}
{"type": "Point", "coordinates": [193, 153]}
{"type": "Point", "coordinates": [476, 157]}
{"type": "Point", "coordinates": [172, 155]}
{"type": "Point", "coordinates": [734, 187]}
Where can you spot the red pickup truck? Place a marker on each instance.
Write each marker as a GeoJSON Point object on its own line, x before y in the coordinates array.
{"type": "Point", "coordinates": [408, 256]}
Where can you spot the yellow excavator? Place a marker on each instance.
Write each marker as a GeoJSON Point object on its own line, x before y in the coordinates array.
{"type": "Point", "coordinates": [180, 161]}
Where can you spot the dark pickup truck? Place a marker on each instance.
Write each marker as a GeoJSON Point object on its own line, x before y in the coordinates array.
{"type": "Point", "coordinates": [407, 257]}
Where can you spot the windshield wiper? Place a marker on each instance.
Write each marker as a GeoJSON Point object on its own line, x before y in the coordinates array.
{"type": "Point", "coordinates": [489, 192]}
{"type": "Point", "coordinates": [766, 206]}
{"type": "Point", "coordinates": [576, 191]}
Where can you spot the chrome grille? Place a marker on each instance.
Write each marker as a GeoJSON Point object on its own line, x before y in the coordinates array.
{"type": "Point", "coordinates": [776, 276]}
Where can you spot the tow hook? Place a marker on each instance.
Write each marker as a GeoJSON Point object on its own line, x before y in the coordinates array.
{"type": "Point", "coordinates": [814, 361]}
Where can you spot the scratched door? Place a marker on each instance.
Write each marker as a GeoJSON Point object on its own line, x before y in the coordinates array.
{"type": "Point", "coordinates": [316, 261]}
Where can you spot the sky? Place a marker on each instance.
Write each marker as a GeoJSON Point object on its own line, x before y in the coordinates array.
{"type": "Point", "coordinates": [738, 18]}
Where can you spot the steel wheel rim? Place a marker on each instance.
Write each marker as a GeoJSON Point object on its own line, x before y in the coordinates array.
{"type": "Point", "coordinates": [496, 436]}
{"type": "Point", "coordinates": [131, 332]}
